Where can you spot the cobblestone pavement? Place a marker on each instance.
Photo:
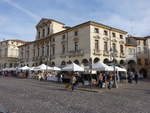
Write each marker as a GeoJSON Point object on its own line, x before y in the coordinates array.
{"type": "Point", "coordinates": [32, 96]}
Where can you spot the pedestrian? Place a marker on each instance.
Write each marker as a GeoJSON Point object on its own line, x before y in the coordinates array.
{"type": "Point", "coordinates": [73, 82]}
{"type": "Point", "coordinates": [110, 80]}
{"type": "Point", "coordinates": [130, 77]}
{"type": "Point", "coordinates": [100, 80]}
{"type": "Point", "coordinates": [136, 77]}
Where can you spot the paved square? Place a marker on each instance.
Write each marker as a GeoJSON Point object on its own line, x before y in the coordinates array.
{"type": "Point", "coordinates": [32, 96]}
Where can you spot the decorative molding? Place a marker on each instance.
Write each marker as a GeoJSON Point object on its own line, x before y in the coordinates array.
{"type": "Point", "coordinates": [105, 38]}
{"type": "Point", "coordinates": [76, 39]}
{"type": "Point", "coordinates": [121, 42]}
{"type": "Point", "coordinates": [97, 52]}
{"type": "Point", "coordinates": [114, 40]}
{"type": "Point", "coordinates": [96, 37]}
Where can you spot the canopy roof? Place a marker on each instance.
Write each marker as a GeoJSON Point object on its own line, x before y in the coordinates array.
{"type": "Point", "coordinates": [56, 68]}
{"type": "Point", "coordinates": [73, 67]}
{"type": "Point", "coordinates": [24, 68]}
{"type": "Point", "coordinates": [120, 69]}
{"type": "Point", "coordinates": [99, 66]}
{"type": "Point", "coordinates": [42, 67]}
{"type": "Point", "coordinates": [9, 69]}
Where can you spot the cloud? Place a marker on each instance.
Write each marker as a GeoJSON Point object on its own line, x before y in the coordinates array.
{"type": "Point", "coordinates": [24, 10]}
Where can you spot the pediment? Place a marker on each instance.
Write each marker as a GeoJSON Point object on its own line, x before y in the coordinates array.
{"type": "Point", "coordinates": [43, 22]}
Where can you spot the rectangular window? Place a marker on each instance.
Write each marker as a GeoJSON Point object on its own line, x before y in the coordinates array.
{"type": "Point", "coordinates": [96, 30]}
{"type": "Point", "coordinates": [144, 43]}
{"type": "Point", "coordinates": [63, 48]}
{"type": "Point", "coordinates": [53, 48]}
{"type": "Point", "coordinates": [33, 52]}
{"type": "Point", "coordinates": [121, 49]}
{"type": "Point", "coordinates": [121, 36]}
{"type": "Point", "coordinates": [47, 50]}
{"type": "Point", "coordinates": [114, 34]}
{"type": "Point", "coordinates": [76, 46]}
{"type": "Point", "coordinates": [138, 42]}
{"type": "Point", "coordinates": [42, 51]}
{"type": "Point", "coordinates": [39, 34]}
{"type": "Point", "coordinates": [105, 33]}
{"type": "Point", "coordinates": [145, 49]}
{"type": "Point", "coordinates": [139, 49]}
{"type": "Point", "coordinates": [43, 32]}
{"type": "Point", "coordinates": [48, 30]}
{"type": "Point", "coordinates": [96, 45]}
{"type": "Point", "coordinates": [38, 52]}
{"type": "Point", "coordinates": [5, 52]}
{"type": "Point", "coordinates": [76, 33]}
{"type": "Point", "coordinates": [105, 46]}
{"type": "Point", "coordinates": [63, 37]}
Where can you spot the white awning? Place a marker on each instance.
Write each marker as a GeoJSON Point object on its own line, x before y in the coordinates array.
{"type": "Point", "coordinates": [99, 66]}
{"type": "Point", "coordinates": [24, 68]}
{"type": "Point", "coordinates": [42, 67]}
{"type": "Point", "coordinates": [73, 67]}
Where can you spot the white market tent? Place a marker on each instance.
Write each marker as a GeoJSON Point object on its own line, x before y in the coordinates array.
{"type": "Point", "coordinates": [99, 66]}
{"type": "Point", "coordinates": [120, 69]}
{"type": "Point", "coordinates": [73, 67]}
{"type": "Point", "coordinates": [24, 68]}
{"type": "Point", "coordinates": [56, 68]}
{"type": "Point", "coordinates": [42, 67]}
{"type": "Point", "coordinates": [9, 69]}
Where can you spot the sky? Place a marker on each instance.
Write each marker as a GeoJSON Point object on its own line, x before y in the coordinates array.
{"type": "Point", "coordinates": [18, 18]}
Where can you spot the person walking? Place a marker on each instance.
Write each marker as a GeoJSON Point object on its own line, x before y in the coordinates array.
{"type": "Point", "coordinates": [110, 78]}
{"type": "Point", "coordinates": [73, 82]}
{"type": "Point", "coordinates": [136, 77]}
{"type": "Point", "coordinates": [100, 80]}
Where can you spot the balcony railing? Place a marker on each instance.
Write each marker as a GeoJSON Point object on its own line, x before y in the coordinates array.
{"type": "Point", "coordinates": [97, 52]}
{"type": "Point", "coordinates": [106, 53]}
{"type": "Point", "coordinates": [76, 53]}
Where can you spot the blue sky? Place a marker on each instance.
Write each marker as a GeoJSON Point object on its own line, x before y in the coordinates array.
{"type": "Point", "coordinates": [19, 17]}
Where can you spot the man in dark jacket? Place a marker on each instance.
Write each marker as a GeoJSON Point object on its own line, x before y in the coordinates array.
{"type": "Point", "coordinates": [136, 77]}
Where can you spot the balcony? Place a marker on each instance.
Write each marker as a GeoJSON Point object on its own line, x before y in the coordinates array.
{"type": "Point", "coordinates": [122, 55]}
{"type": "Point", "coordinates": [63, 55]}
{"type": "Point", "coordinates": [76, 53]}
{"type": "Point", "coordinates": [106, 53]}
{"type": "Point", "coordinates": [142, 54]}
{"type": "Point", "coordinates": [97, 52]}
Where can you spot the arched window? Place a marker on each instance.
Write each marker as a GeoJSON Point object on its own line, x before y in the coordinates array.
{"type": "Point", "coordinates": [76, 62]}
{"type": "Point", "coordinates": [106, 61]}
{"type": "Point", "coordinates": [85, 62]}
{"type": "Point", "coordinates": [96, 60]}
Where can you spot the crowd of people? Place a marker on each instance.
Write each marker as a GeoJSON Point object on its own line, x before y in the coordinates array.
{"type": "Point", "coordinates": [101, 80]}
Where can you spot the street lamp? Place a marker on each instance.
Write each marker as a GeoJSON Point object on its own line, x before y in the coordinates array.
{"type": "Point", "coordinates": [113, 52]}
{"type": "Point", "coordinates": [90, 60]}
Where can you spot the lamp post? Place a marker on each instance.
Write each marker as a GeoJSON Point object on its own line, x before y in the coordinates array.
{"type": "Point", "coordinates": [113, 52]}
{"type": "Point", "coordinates": [90, 60]}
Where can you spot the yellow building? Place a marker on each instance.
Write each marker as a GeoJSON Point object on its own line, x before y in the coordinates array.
{"type": "Point", "coordinates": [59, 45]}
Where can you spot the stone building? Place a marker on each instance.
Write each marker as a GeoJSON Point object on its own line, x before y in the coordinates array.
{"type": "Point", "coordinates": [9, 53]}
{"type": "Point", "coordinates": [83, 44]}
{"type": "Point", "coordinates": [137, 50]}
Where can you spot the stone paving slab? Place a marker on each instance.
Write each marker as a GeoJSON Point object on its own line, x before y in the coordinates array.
{"type": "Point", "coordinates": [32, 96]}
